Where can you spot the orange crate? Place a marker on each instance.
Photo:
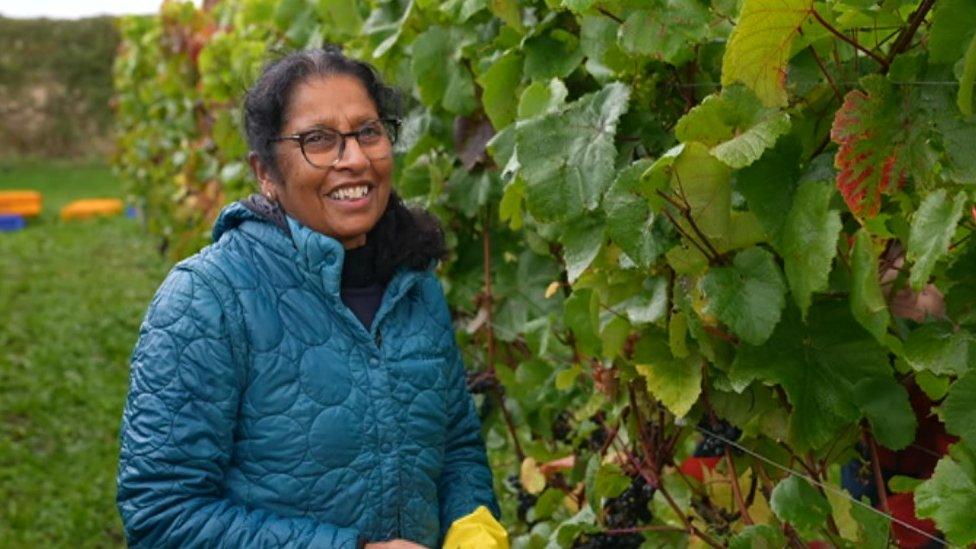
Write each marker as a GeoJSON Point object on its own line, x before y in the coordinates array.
{"type": "Point", "coordinates": [91, 207]}
{"type": "Point", "coordinates": [23, 203]}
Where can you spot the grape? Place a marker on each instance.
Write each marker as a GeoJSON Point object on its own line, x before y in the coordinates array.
{"type": "Point", "coordinates": [605, 541]}
{"type": "Point", "coordinates": [561, 428]}
{"type": "Point", "coordinates": [711, 446]}
{"type": "Point", "coordinates": [482, 382]}
{"type": "Point", "coordinates": [525, 499]}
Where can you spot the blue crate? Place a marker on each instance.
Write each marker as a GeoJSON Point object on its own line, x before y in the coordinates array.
{"type": "Point", "coordinates": [11, 222]}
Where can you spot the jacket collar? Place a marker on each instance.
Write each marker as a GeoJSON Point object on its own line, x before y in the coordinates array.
{"type": "Point", "coordinates": [319, 257]}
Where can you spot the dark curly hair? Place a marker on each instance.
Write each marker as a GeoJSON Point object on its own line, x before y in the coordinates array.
{"type": "Point", "coordinates": [409, 237]}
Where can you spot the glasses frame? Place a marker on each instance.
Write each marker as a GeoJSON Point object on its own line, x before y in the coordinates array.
{"type": "Point", "coordinates": [392, 126]}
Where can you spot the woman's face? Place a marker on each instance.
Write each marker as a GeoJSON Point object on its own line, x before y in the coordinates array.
{"type": "Point", "coordinates": [329, 199]}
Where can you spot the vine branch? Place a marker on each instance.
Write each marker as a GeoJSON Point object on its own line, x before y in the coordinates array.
{"type": "Point", "coordinates": [854, 43]}
{"type": "Point", "coordinates": [486, 302]}
{"type": "Point", "coordinates": [905, 38]}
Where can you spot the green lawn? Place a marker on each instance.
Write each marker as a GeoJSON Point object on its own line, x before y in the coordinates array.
{"type": "Point", "coordinates": [72, 295]}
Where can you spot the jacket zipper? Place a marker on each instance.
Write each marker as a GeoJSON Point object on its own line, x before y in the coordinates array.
{"type": "Point", "coordinates": [399, 515]}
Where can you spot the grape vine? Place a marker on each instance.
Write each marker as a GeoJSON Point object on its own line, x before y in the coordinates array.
{"type": "Point", "coordinates": [705, 253]}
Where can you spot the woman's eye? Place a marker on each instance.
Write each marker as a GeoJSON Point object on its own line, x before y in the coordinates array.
{"type": "Point", "coordinates": [371, 131]}
{"type": "Point", "coordinates": [320, 139]}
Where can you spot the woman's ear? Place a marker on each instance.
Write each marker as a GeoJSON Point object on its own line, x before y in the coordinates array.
{"type": "Point", "coordinates": [264, 175]}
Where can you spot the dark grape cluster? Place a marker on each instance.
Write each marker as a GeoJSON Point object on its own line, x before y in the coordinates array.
{"type": "Point", "coordinates": [525, 499]}
{"type": "Point", "coordinates": [562, 429]}
{"type": "Point", "coordinates": [630, 508]}
{"type": "Point", "coordinates": [482, 382]}
{"type": "Point", "coordinates": [712, 446]}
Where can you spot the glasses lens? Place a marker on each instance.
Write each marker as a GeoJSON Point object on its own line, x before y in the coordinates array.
{"type": "Point", "coordinates": [321, 147]}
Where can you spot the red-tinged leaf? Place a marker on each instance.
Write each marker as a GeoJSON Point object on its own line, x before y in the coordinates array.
{"type": "Point", "coordinates": [871, 133]}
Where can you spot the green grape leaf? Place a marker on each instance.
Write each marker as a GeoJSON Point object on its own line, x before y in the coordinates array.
{"type": "Point", "coordinates": [582, 317]}
{"type": "Point", "coordinates": [748, 297]}
{"type": "Point", "coordinates": [809, 241]}
{"type": "Point", "coordinates": [820, 364]}
{"type": "Point", "coordinates": [555, 54]}
{"type": "Point", "coordinates": [610, 481]}
{"type": "Point", "coordinates": [736, 126]}
{"type": "Point", "coordinates": [704, 183]}
{"type": "Point", "coordinates": [868, 303]}
{"type": "Point", "coordinates": [582, 240]}
{"type": "Point", "coordinates": [938, 348]}
{"type": "Point", "coordinates": [508, 11]}
{"type": "Point", "coordinates": [949, 497]}
{"type": "Point", "coordinates": [952, 29]}
{"type": "Point", "coordinates": [759, 48]}
{"type": "Point", "coordinates": [567, 157]}
{"type": "Point", "coordinates": [874, 529]}
{"type": "Point", "coordinates": [887, 407]}
{"type": "Point", "coordinates": [959, 409]}
{"type": "Point", "coordinates": [965, 98]}
{"type": "Point", "coordinates": [871, 131]}
{"type": "Point", "coordinates": [676, 382]}
{"type": "Point", "coordinates": [499, 83]}
{"type": "Point", "coordinates": [341, 16]}
{"type": "Point", "coordinates": [649, 304]}
{"type": "Point", "coordinates": [758, 536]}
{"type": "Point", "coordinates": [578, 6]}
{"type": "Point", "coordinates": [768, 186]}
{"type": "Point", "coordinates": [641, 234]}
{"type": "Point", "coordinates": [932, 229]}
{"type": "Point", "coordinates": [667, 33]}
{"type": "Point", "coordinates": [438, 82]}
{"type": "Point", "coordinates": [510, 206]}
{"type": "Point", "coordinates": [541, 98]}
{"type": "Point", "coordinates": [795, 501]}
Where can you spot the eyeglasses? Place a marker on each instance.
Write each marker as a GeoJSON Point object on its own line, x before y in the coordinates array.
{"type": "Point", "coordinates": [323, 147]}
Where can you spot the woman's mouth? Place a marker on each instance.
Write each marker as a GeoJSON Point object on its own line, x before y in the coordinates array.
{"type": "Point", "coordinates": [351, 193]}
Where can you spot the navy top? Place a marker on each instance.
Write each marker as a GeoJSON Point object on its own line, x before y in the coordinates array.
{"type": "Point", "coordinates": [361, 290]}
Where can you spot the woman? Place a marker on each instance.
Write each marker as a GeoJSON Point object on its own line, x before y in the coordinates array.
{"type": "Point", "coordinates": [297, 383]}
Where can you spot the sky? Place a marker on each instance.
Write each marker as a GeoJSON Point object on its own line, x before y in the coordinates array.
{"type": "Point", "coordinates": [73, 9]}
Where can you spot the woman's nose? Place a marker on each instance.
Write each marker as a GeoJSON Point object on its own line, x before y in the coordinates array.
{"type": "Point", "coordinates": [351, 154]}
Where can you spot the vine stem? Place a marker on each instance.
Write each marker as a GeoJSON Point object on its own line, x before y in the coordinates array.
{"type": "Point", "coordinates": [486, 302]}
{"type": "Point", "coordinates": [736, 490]}
{"type": "Point", "coordinates": [639, 529]}
{"type": "Point", "coordinates": [876, 468]}
{"type": "Point", "coordinates": [691, 220]}
{"type": "Point", "coordinates": [854, 43]}
{"type": "Point", "coordinates": [905, 38]}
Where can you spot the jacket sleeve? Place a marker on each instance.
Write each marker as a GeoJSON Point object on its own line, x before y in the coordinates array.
{"type": "Point", "coordinates": [466, 480]}
{"type": "Point", "coordinates": [178, 429]}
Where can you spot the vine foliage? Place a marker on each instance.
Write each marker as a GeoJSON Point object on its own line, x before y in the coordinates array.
{"type": "Point", "coordinates": [708, 256]}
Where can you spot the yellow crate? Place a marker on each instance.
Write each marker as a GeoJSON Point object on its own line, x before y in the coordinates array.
{"type": "Point", "coordinates": [91, 207]}
{"type": "Point", "coordinates": [19, 202]}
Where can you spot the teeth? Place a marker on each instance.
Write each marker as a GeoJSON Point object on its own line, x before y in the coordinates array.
{"type": "Point", "coordinates": [350, 193]}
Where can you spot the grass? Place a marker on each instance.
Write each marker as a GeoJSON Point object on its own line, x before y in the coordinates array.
{"type": "Point", "coordinates": [72, 295]}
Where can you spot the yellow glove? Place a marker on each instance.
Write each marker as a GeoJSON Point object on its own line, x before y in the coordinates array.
{"type": "Point", "coordinates": [479, 530]}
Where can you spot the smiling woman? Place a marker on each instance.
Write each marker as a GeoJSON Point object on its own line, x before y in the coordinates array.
{"type": "Point", "coordinates": [297, 382]}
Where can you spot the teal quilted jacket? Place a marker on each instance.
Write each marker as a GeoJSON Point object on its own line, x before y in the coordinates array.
{"type": "Point", "coordinates": [261, 413]}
